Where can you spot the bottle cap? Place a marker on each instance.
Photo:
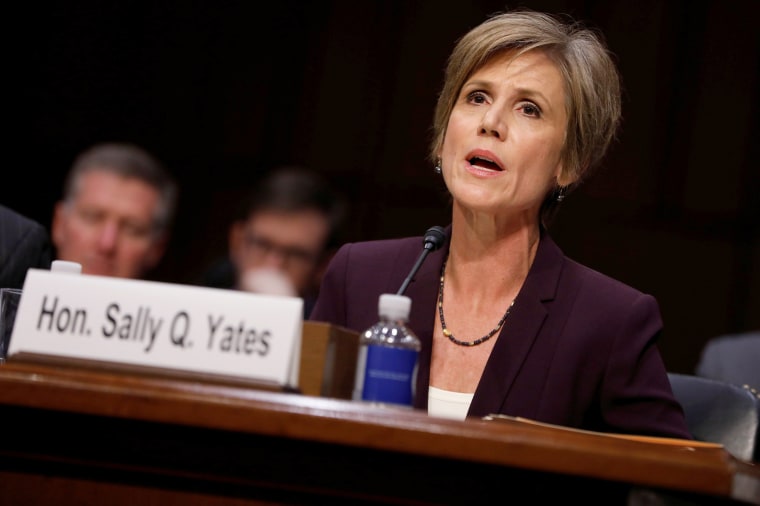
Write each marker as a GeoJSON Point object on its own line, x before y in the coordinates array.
{"type": "Point", "coordinates": [394, 307]}
{"type": "Point", "coordinates": [65, 266]}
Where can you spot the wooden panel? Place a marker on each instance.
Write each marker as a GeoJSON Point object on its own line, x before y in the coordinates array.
{"type": "Point", "coordinates": [328, 360]}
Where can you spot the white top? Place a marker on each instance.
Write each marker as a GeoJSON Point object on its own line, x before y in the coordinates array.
{"type": "Point", "coordinates": [448, 404]}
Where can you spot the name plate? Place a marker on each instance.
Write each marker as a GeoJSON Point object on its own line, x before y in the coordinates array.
{"type": "Point", "coordinates": [160, 325]}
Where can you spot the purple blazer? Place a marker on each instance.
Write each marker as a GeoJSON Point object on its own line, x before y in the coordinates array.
{"type": "Point", "coordinates": [578, 348]}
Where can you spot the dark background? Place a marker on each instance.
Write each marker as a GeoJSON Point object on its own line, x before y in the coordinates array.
{"type": "Point", "coordinates": [223, 90]}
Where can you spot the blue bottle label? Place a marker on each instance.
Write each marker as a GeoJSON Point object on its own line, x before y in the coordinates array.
{"type": "Point", "coordinates": [389, 374]}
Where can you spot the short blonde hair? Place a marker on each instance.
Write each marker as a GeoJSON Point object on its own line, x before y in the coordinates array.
{"type": "Point", "coordinates": [591, 79]}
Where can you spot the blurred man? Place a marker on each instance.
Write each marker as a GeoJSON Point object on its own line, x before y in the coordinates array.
{"type": "Point", "coordinates": [116, 212]}
{"type": "Point", "coordinates": [284, 237]}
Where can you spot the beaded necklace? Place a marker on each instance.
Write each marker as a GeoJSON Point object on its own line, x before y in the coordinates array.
{"type": "Point", "coordinates": [447, 332]}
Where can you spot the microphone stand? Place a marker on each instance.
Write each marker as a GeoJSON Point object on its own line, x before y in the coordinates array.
{"type": "Point", "coordinates": [434, 238]}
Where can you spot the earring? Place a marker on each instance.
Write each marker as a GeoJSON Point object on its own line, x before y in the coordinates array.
{"type": "Point", "coordinates": [560, 195]}
{"type": "Point", "coordinates": [437, 168]}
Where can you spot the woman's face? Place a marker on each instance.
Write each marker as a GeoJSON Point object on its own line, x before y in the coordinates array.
{"type": "Point", "coordinates": [503, 144]}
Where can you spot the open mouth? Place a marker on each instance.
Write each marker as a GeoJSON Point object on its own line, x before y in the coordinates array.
{"type": "Point", "coordinates": [485, 163]}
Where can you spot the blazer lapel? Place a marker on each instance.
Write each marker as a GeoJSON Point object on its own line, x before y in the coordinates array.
{"type": "Point", "coordinates": [520, 330]}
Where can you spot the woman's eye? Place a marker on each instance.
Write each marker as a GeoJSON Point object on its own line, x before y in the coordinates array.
{"type": "Point", "coordinates": [476, 97]}
{"type": "Point", "coordinates": [531, 110]}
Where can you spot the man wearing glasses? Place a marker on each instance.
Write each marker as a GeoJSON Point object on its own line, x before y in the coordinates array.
{"type": "Point", "coordinates": [283, 240]}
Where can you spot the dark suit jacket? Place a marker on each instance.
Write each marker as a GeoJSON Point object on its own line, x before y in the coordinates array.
{"type": "Point", "coordinates": [24, 243]}
{"type": "Point", "coordinates": [578, 348]}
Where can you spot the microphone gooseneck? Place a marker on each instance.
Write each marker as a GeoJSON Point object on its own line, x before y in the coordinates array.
{"type": "Point", "coordinates": [433, 239]}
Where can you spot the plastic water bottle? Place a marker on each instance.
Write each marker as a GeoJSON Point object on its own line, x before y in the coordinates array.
{"type": "Point", "coordinates": [386, 369]}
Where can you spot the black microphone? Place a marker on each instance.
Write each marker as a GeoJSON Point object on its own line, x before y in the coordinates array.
{"type": "Point", "coordinates": [433, 239]}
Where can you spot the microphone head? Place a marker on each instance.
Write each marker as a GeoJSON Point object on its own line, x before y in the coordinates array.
{"type": "Point", "coordinates": [434, 238]}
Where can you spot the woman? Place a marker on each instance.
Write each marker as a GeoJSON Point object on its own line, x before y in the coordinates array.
{"type": "Point", "coordinates": [508, 324]}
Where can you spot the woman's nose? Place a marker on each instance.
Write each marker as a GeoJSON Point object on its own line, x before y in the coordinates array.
{"type": "Point", "coordinates": [492, 123]}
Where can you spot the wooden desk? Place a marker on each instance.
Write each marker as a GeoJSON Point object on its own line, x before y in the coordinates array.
{"type": "Point", "coordinates": [76, 436]}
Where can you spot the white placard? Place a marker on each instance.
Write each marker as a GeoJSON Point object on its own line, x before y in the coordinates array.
{"type": "Point", "coordinates": [170, 326]}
